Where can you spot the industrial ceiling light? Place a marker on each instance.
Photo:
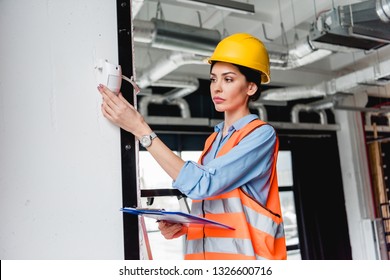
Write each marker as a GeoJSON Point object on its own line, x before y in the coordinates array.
{"type": "Point", "coordinates": [229, 5]}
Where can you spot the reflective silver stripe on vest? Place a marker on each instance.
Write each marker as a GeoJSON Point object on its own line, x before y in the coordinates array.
{"type": "Point", "coordinates": [264, 223]}
{"type": "Point", "coordinates": [234, 205]}
{"type": "Point", "coordinates": [221, 245]}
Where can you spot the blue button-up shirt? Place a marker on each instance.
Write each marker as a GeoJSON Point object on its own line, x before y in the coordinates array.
{"type": "Point", "coordinates": [248, 164]}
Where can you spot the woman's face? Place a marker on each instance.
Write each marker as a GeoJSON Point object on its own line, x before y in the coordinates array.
{"type": "Point", "coordinates": [229, 89]}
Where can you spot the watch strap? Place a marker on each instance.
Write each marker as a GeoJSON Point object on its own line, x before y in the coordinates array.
{"type": "Point", "coordinates": [152, 135]}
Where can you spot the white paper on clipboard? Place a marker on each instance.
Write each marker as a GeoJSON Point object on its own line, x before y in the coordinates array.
{"type": "Point", "coordinates": [174, 217]}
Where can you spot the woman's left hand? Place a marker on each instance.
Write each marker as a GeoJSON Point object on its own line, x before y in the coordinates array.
{"type": "Point", "coordinates": [171, 230]}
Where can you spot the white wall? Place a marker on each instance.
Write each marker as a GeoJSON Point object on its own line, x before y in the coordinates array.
{"type": "Point", "coordinates": [60, 180]}
{"type": "Point", "coordinates": [356, 180]}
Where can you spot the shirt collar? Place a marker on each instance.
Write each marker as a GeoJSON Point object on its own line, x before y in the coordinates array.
{"type": "Point", "coordinates": [238, 124]}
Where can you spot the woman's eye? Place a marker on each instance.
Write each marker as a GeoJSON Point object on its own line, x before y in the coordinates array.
{"type": "Point", "coordinates": [228, 80]}
{"type": "Point", "coordinates": [212, 80]}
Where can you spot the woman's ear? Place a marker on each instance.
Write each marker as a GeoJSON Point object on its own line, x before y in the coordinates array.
{"type": "Point", "coordinates": [252, 89]}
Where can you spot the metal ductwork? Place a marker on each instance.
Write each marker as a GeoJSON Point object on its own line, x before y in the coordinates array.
{"type": "Point", "coordinates": [363, 25]}
{"type": "Point", "coordinates": [360, 78]}
{"type": "Point", "coordinates": [176, 37]}
{"type": "Point", "coordinates": [293, 93]}
{"type": "Point", "coordinates": [301, 53]}
{"type": "Point", "coordinates": [201, 42]}
{"type": "Point", "coordinates": [166, 65]}
{"type": "Point", "coordinates": [192, 45]}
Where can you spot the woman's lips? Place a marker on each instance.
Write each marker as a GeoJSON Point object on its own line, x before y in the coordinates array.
{"type": "Point", "coordinates": [218, 100]}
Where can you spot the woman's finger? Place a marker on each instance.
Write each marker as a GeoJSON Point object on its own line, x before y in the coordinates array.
{"type": "Point", "coordinates": [106, 90]}
{"type": "Point", "coordinates": [111, 98]}
{"type": "Point", "coordinates": [120, 96]}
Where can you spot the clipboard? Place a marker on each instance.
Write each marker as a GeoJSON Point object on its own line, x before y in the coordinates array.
{"type": "Point", "coordinates": [175, 217]}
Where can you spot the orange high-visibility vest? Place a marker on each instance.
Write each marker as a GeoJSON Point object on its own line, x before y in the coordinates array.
{"type": "Point", "coordinates": [259, 231]}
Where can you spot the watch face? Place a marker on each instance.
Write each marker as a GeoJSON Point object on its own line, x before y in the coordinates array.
{"type": "Point", "coordinates": [146, 141]}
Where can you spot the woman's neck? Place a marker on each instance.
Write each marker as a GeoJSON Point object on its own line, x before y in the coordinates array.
{"type": "Point", "coordinates": [231, 118]}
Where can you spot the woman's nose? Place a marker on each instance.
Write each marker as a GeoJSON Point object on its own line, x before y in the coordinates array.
{"type": "Point", "coordinates": [216, 86]}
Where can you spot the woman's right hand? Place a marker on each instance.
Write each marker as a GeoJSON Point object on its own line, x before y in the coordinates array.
{"type": "Point", "coordinates": [120, 112]}
{"type": "Point", "coordinates": [171, 230]}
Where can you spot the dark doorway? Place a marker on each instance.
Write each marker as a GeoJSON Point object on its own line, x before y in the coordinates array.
{"type": "Point", "coordinates": [319, 197]}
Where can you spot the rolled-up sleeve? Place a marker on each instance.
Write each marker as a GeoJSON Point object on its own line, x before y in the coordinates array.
{"type": "Point", "coordinates": [194, 179]}
{"type": "Point", "coordinates": [248, 160]}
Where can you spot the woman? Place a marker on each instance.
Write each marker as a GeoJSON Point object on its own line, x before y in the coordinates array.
{"type": "Point", "coordinates": [235, 180]}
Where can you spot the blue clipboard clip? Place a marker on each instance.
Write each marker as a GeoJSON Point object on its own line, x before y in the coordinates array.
{"type": "Point", "coordinates": [175, 217]}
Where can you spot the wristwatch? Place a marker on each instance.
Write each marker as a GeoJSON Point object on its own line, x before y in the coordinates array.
{"type": "Point", "coordinates": [146, 140]}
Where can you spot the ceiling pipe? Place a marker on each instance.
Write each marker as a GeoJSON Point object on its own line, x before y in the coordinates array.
{"type": "Point", "coordinates": [166, 65]}
{"type": "Point", "coordinates": [172, 97]}
{"type": "Point", "coordinates": [318, 107]}
{"type": "Point", "coordinates": [293, 93]}
{"type": "Point", "coordinates": [369, 115]}
{"type": "Point", "coordinates": [303, 52]}
{"type": "Point", "coordinates": [307, 108]}
{"type": "Point", "coordinates": [363, 77]}
{"type": "Point", "coordinates": [184, 38]}
{"type": "Point", "coordinates": [326, 103]}
{"type": "Point", "coordinates": [383, 10]}
{"type": "Point", "coordinates": [160, 99]}
{"type": "Point", "coordinates": [168, 35]}
{"type": "Point", "coordinates": [381, 91]}
{"type": "Point", "coordinates": [178, 93]}
{"type": "Point", "coordinates": [182, 82]}
{"type": "Point", "coordinates": [200, 43]}
{"type": "Point", "coordinates": [261, 110]}
{"type": "Point", "coordinates": [182, 88]}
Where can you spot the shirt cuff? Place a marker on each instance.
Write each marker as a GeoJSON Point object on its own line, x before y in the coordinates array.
{"type": "Point", "coordinates": [190, 175]}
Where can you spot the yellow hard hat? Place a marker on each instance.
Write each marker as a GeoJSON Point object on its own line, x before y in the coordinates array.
{"type": "Point", "coordinates": [245, 50]}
